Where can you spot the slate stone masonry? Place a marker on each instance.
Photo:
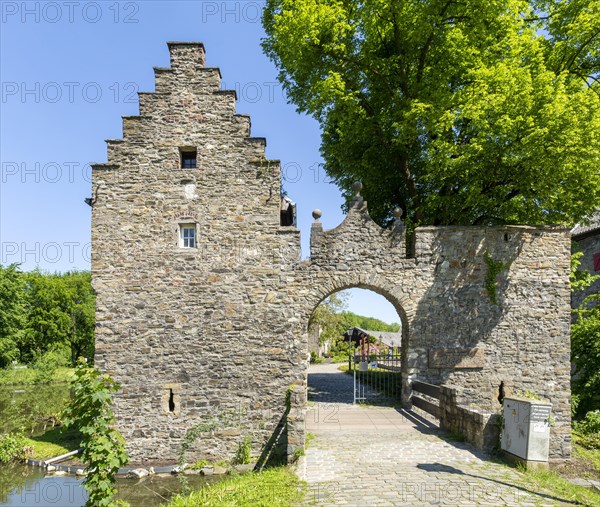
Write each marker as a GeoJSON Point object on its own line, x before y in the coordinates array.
{"type": "Point", "coordinates": [219, 332]}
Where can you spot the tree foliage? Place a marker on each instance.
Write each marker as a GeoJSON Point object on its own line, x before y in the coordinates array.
{"type": "Point", "coordinates": [329, 318]}
{"type": "Point", "coordinates": [334, 319]}
{"type": "Point", "coordinates": [60, 309]}
{"type": "Point", "coordinates": [470, 112]}
{"type": "Point", "coordinates": [585, 344]}
{"type": "Point", "coordinates": [12, 313]}
{"type": "Point", "coordinates": [369, 323]}
{"type": "Point", "coordinates": [42, 315]}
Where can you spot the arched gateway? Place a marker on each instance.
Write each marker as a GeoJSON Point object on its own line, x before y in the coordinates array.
{"type": "Point", "coordinates": [203, 301]}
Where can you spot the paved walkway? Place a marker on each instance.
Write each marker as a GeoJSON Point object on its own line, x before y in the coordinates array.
{"type": "Point", "coordinates": [385, 456]}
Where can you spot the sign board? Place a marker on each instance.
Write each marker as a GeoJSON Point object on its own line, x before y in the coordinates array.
{"type": "Point", "coordinates": [456, 358]}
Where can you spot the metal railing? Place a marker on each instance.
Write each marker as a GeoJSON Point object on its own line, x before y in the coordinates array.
{"type": "Point", "coordinates": [377, 378]}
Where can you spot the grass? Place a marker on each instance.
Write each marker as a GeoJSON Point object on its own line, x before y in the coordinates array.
{"type": "Point", "coordinates": [275, 486]}
{"type": "Point", "coordinates": [558, 486]}
{"type": "Point", "coordinates": [25, 376]}
{"type": "Point", "coordinates": [54, 442]}
{"type": "Point", "coordinates": [590, 455]}
{"type": "Point", "coordinates": [385, 381]}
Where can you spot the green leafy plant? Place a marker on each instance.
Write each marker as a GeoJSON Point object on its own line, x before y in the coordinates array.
{"type": "Point", "coordinates": [297, 454]}
{"type": "Point", "coordinates": [201, 463]}
{"type": "Point", "coordinates": [528, 394]}
{"type": "Point", "coordinates": [590, 424]}
{"type": "Point", "coordinates": [190, 437]}
{"type": "Point", "coordinates": [244, 451]}
{"type": "Point", "coordinates": [47, 363]}
{"type": "Point", "coordinates": [12, 313]}
{"type": "Point", "coordinates": [494, 268]}
{"type": "Point", "coordinates": [314, 358]}
{"type": "Point", "coordinates": [273, 486]}
{"type": "Point", "coordinates": [585, 343]}
{"type": "Point", "coordinates": [13, 447]}
{"type": "Point", "coordinates": [103, 446]}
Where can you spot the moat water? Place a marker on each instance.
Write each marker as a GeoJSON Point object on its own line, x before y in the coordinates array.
{"type": "Point", "coordinates": [24, 485]}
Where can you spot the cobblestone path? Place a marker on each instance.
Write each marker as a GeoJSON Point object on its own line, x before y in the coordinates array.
{"type": "Point", "coordinates": [386, 456]}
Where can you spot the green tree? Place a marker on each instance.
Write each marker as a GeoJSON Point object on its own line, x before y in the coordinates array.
{"type": "Point", "coordinates": [369, 323]}
{"type": "Point", "coordinates": [329, 317]}
{"type": "Point", "coordinates": [471, 112]}
{"type": "Point", "coordinates": [12, 313]}
{"type": "Point", "coordinates": [47, 322]}
{"type": "Point", "coordinates": [82, 307]}
{"type": "Point", "coordinates": [60, 310]}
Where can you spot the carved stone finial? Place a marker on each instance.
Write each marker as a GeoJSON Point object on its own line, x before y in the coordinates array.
{"type": "Point", "coordinates": [357, 201]}
{"type": "Point", "coordinates": [317, 214]}
{"type": "Point", "coordinates": [398, 223]}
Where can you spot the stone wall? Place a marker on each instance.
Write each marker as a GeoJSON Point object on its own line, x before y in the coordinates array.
{"type": "Point", "coordinates": [219, 332]}
{"type": "Point", "coordinates": [453, 333]}
{"type": "Point", "coordinates": [460, 416]}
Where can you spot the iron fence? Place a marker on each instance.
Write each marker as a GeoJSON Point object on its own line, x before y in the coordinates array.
{"type": "Point", "coordinates": [377, 378]}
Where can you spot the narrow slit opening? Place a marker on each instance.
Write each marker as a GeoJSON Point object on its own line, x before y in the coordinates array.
{"type": "Point", "coordinates": [171, 401]}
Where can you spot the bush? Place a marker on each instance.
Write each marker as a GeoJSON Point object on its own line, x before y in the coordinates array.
{"type": "Point", "coordinates": [46, 364]}
{"type": "Point", "coordinates": [591, 441]}
{"type": "Point", "coordinates": [13, 447]}
{"type": "Point", "coordinates": [314, 358]}
{"type": "Point", "coordinates": [342, 348]}
{"type": "Point", "coordinates": [590, 423]}
{"type": "Point", "coordinates": [589, 430]}
{"type": "Point", "coordinates": [244, 452]}
{"type": "Point", "coordinates": [339, 359]}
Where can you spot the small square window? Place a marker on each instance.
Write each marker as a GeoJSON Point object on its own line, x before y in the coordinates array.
{"type": "Point", "coordinates": [188, 159]}
{"type": "Point", "coordinates": [187, 235]}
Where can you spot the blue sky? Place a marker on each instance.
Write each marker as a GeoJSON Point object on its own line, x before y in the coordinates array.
{"type": "Point", "coordinates": [70, 70]}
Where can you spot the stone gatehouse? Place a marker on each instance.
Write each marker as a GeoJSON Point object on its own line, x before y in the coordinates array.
{"type": "Point", "coordinates": [203, 301]}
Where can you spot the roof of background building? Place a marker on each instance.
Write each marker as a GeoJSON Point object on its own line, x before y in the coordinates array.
{"type": "Point", "coordinates": [387, 337]}
{"type": "Point", "coordinates": [583, 230]}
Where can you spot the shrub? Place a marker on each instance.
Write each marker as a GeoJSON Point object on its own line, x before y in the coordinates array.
{"type": "Point", "coordinates": [244, 451]}
{"type": "Point", "coordinates": [590, 423]}
{"type": "Point", "coordinates": [46, 364]}
{"type": "Point", "coordinates": [314, 358]}
{"type": "Point", "coordinates": [589, 430]}
{"type": "Point", "coordinates": [201, 463]}
{"type": "Point", "coordinates": [13, 447]}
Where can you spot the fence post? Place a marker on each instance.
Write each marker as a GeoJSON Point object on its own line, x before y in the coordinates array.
{"type": "Point", "coordinates": [354, 390]}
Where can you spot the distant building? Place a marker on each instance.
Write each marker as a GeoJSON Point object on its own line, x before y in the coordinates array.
{"type": "Point", "coordinates": [586, 238]}
{"type": "Point", "coordinates": [355, 334]}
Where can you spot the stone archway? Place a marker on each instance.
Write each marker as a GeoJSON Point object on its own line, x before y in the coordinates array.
{"type": "Point", "coordinates": [379, 286]}
{"type": "Point", "coordinates": [462, 330]}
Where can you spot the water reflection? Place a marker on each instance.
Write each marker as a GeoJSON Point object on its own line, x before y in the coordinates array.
{"type": "Point", "coordinates": [26, 486]}
{"type": "Point", "coordinates": [31, 408]}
